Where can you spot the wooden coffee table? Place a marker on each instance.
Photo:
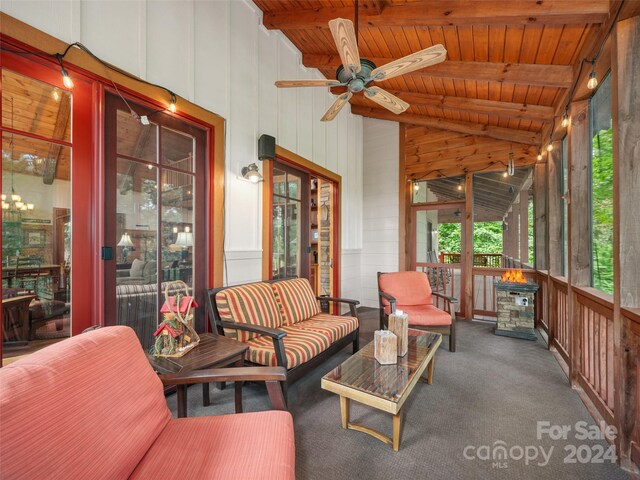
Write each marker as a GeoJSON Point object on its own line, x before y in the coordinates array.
{"type": "Point", "coordinates": [212, 351]}
{"type": "Point", "coordinates": [385, 387]}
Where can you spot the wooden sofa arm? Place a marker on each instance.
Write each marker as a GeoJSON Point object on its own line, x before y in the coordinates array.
{"type": "Point", "coordinates": [352, 303]}
{"type": "Point", "coordinates": [271, 376]}
{"type": "Point", "coordinates": [276, 335]}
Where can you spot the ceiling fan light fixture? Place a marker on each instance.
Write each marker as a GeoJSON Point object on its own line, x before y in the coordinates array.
{"type": "Point", "coordinates": [251, 173]}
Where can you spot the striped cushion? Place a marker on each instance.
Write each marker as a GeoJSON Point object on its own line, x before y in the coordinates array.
{"type": "Point", "coordinates": [252, 304]}
{"type": "Point", "coordinates": [300, 346]}
{"type": "Point", "coordinates": [296, 300]}
{"type": "Point", "coordinates": [331, 325]}
{"type": "Point", "coordinates": [87, 407]}
{"type": "Point", "coordinates": [256, 445]}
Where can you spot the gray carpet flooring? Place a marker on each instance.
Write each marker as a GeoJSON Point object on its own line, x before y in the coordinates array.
{"type": "Point", "coordinates": [490, 393]}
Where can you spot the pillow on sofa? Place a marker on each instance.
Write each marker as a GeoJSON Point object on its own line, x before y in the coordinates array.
{"type": "Point", "coordinates": [296, 300]}
{"type": "Point", "coordinates": [253, 304]}
{"type": "Point", "coordinates": [150, 269]}
{"type": "Point", "coordinates": [137, 268]}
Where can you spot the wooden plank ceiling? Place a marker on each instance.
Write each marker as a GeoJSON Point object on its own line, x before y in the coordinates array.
{"type": "Point", "coordinates": [509, 63]}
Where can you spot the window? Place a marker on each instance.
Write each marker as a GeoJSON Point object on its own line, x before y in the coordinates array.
{"type": "Point", "coordinates": [601, 188]}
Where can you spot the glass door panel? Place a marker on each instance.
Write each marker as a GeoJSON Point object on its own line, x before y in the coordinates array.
{"type": "Point", "coordinates": [36, 210]}
{"type": "Point", "coordinates": [290, 224]}
{"type": "Point", "coordinates": [151, 216]}
{"type": "Point", "coordinates": [178, 228]}
{"type": "Point", "coordinates": [438, 247]}
{"type": "Point", "coordinates": [325, 236]}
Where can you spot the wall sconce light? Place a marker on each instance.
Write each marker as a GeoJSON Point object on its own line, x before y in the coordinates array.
{"type": "Point", "coordinates": [565, 119]}
{"type": "Point", "coordinates": [251, 173]}
{"type": "Point", "coordinates": [460, 186]}
{"type": "Point", "coordinates": [539, 154]}
{"type": "Point", "coordinates": [416, 186]}
{"type": "Point", "coordinates": [550, 146]}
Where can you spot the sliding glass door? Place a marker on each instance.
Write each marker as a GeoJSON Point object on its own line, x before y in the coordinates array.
{"type": "Point", "coordinates": [154, 214]}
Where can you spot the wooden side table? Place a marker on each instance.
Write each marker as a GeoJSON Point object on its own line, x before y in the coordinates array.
{"type": "Point", "coordinates": [212, 351]}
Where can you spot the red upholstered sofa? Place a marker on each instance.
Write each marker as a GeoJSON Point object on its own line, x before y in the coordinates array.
{"type": "Point", "coordinates": [283, 324]}
{"type": "Point", "coordinates": [91, 407]}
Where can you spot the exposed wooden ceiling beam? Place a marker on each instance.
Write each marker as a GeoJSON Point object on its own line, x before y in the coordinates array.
{"type": "Point", "coordinates": [519, 73]}
{"type": "Point", "coordinates": [476, 105]}
{"type": "Point", "coordinates": [450, 12]}
{"type": "Point", "coordinates": [509, 134]}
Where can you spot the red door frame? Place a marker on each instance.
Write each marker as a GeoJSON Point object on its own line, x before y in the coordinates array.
{"type": "Point", "coordinates": [82, 310]}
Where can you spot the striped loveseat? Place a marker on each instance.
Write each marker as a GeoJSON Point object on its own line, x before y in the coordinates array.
{"type": "Point", "coordinates": [282, 323]}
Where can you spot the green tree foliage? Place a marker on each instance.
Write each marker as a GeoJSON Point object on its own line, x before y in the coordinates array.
{"type": "Point", "coordinates": [602, 210]}
{"type": "Point", "coordinates": [487, 237]}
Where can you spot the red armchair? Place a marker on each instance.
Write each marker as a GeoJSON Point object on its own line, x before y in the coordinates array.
{"type": "Point", "coordinates": [92, 407]}
{"type": "Point", "coordinates": [411, 293]}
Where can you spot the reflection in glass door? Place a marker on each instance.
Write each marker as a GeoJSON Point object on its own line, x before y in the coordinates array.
{"type": "Point", "coordinates": [152, 217]}
{"type": "Point", "coordinates": [36, 210]}
{"type": "Point", "coordinates": [438, 250]}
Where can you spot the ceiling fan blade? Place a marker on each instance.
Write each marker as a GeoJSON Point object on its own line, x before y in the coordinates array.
{"type": "Point", "coordinates": [385, 99]}
{"type": "Point", "coordinates": [336, 107]}
{"type": "Point", "coordinates": [345, 37]}
{"type": "Point", "coordinates": [307, 83]}
{"type": "Point", "coordinates": [415, 61]}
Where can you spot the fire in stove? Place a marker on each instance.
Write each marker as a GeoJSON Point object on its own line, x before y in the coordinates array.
{"type": "Point", "coordinates": [513, 276]}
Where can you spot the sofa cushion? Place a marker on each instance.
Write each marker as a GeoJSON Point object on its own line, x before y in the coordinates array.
{"type": "Point", "coordinates": [296, 300]}
{"type": "Point", "coordinates": [137, 268]}
{"type": "Point", "coordinates": [336, 327]}
{"type": "Point", "coordinates": [425, 315]}
{"type": "Point", "coordinates": [408, 288]}
{"type": "Point", "coordinates": [257, 445]}
{"type": "Point", "coordinates": [300, 346]}
{"type": "Point", "coordinates": [150, 269]}
{"type": "Point", "coordinates": [87, 407]}
{"type": "Point", "coordinates": [253, 303]}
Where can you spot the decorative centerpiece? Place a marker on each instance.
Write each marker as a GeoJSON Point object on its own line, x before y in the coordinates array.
{"type": "Point", "coordinates": [399, 326]}
{"type": "Point", "coordinates": [385, 347]}
{"type": "Point", "coordinates": [175, 335]}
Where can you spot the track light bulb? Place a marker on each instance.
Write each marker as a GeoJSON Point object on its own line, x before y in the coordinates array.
{"type": "Point", "coordinates": [416, 186]}
{"type": "Point", "coordinates": [505, 174]}
{"type": "Point", "coordinates": [172, 104]}
{"type": "Point", "coordinates": [460, 186]}
{"type": "Point", "coordinates": [593, 81]}
{"type": "Point", "coordinates": [539, 156]}
{"type": "Point", "coordinates": [66, 79]}
{"type": "Point", "coordinates": [550, 146]}
{"type": "Point", "coordinates": [565, 120]}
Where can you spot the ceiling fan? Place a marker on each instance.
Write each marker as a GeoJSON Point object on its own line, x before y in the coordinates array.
{"type": "Point", "coordinates": [357, 73]}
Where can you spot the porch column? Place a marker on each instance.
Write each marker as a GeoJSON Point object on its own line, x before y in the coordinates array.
{"type": "Point", "coordinates": [540, 210]}
{"type": "Point", "coordinates": [626, 231]}
{"type": "Point", "coordinates": [468, 245]}
{"type": "Point", "coordinates": [524, 226]}
{"type": "Point", "coordinates": [579, 219]}
{"type": "Point", "coordinates": [555, 209]}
